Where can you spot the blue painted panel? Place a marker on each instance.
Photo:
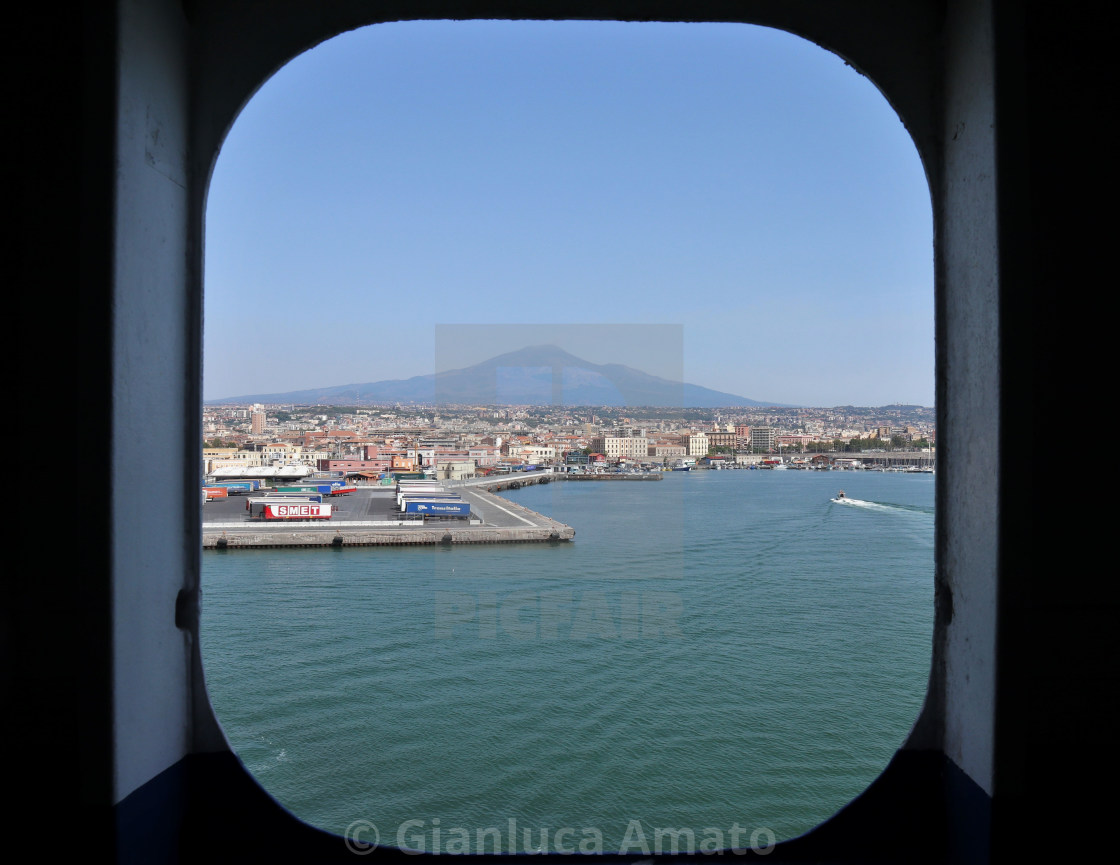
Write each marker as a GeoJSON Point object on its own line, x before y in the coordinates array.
{"type": "Point", "coordinates": [438, 508]}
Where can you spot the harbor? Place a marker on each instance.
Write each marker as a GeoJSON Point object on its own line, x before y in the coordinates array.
{"type": "Point", "coordinates": [468, 511]}
{"type": "Point", "coordinates": [379, 515]}
{"type": "Point", "coordinates": [751, 577]}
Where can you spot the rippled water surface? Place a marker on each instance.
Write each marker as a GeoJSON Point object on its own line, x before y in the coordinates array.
{"type": "Point", "coordinates": [713, 650]}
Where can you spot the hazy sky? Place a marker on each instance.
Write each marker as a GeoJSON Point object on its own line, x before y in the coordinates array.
{"type": "Point", "coordinates": [738, 182]}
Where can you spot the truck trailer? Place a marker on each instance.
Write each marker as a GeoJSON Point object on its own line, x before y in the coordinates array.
{"type": "Point", "coordinates": [296, 511]}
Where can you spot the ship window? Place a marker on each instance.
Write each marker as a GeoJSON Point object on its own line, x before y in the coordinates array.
{"type": "Point", "coordinates": [722, 178]}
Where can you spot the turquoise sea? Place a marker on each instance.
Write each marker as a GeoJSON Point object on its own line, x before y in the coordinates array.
{"type": "Point", "coordinates": [717, 652]}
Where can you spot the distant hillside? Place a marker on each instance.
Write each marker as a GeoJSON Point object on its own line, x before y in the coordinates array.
{"type": "Point", "coordinates": [523, 377]}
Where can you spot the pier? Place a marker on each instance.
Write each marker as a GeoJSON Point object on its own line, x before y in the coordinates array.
{"type": "Point", "coordinates": [368, 517]}
{"type": "Point", "coordinates": [515, 481]}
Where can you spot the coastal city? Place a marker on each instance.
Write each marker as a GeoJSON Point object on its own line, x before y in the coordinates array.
{"type": "Point", "coordinates": [424, 474]}
{"type": "Point", "coordinates": [459, 442]}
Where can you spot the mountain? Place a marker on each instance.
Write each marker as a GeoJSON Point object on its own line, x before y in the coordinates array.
{"type": "Point", "coordinates": [536, 375]}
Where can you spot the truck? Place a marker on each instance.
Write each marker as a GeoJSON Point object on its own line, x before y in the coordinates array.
{"type": "Point", "coordinates": [402, 500]}
{"type": "Point", "coordinates": [296, 511]}
{"type": "Point", "coordinates": [237, 487]}
{"type": "Point", "coordinates": [434, 493]}
{"type": "Point", "coordinates": [296, 497]}
{"type": "Point", "coordinates": [437, 508]}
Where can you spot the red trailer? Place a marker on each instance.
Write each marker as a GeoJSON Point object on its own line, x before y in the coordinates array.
{"type": "Point", "coordinates": [297, 511]}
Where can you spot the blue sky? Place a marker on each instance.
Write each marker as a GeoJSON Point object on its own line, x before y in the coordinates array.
{"type": "Point", "coordinates": [735, 181]}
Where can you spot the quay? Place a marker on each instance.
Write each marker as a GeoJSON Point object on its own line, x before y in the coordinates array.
{"type": "Point", "coordinates": [368, 517]}
{"type": "Point", "coordinates": [494, 483]}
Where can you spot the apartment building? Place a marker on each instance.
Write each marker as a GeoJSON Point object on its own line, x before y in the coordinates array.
{"type": "Point", "coordinates": [616, 447]}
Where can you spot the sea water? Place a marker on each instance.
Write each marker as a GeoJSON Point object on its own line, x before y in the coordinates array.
{"type": "Point", "coordinates": [718, 657]}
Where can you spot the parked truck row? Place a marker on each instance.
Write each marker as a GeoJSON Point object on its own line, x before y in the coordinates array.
{"type": "Point", "coordinates": [292, 502]}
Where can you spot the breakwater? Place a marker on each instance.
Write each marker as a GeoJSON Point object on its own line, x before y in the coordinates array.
{"type": "Point", "coordinates": [516, 482]}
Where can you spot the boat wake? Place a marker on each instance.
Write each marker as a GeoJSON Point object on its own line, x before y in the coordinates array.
{"type": "Point", "coordinates": [857, 503]}
{"type": "Point", "coordinates": [877, 506]}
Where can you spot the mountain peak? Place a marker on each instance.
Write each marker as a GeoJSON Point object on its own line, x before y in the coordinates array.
{"type": "Point", "coordinates": [538, 355]}
{"type": "Point", "coordinates": [525, 376]}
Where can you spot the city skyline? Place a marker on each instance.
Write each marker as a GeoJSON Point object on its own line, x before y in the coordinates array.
{"type": "Point", "coordinates": [407, 178]}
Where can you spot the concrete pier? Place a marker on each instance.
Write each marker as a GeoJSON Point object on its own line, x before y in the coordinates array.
{"type": "Point", "coordinates": [518, 480]}
{"type": "Point", "coordinates": [366, 518]}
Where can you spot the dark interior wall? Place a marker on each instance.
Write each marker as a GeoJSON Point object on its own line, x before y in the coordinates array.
{"type": "Point", "coordinates": [1059, 649]}
{"type": "Point", "coordinates": [55, 631]}
{"type": "Point", "coordinates": [100, 667]}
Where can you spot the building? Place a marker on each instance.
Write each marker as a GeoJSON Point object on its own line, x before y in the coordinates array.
{"type": "Point", "coordinates": [533, 452]}
{"type": "Point", "coordinates": [619, 447]}
{"type": "Point", "coordinates": [215, 458]}
{"type": "Point", "coordinates": [722, 440]}
{"type": "Point", "coordinates": [484, 455]}
{"type": "Point", "coordinates": [695, 443]}
{"type": "Point", "coordinates": [763, 439]}
{"type": "Point", "coordinates": [354, 465]}
{"type": "Point", "coordinates": [663, 449]}
{"type": "Point", "coordinates": [453, 470]}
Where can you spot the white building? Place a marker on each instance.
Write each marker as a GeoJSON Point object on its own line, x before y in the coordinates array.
{"type": "Point", "coordinates": [617, 447]}
{"type": "Point", "coordinates": [696, 444]}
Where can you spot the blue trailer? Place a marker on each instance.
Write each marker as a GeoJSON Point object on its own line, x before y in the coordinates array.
{"type": "Point", "coordinates": [237, 487]}
{"type": "Point", "coordinates": [437, 508]}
